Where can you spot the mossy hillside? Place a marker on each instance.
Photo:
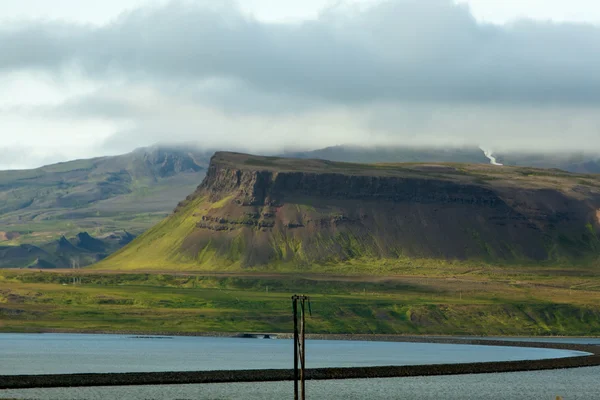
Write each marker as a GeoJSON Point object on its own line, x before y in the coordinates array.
{"type": "Point", "coordinates": [159, 250]}
{"type": "Point", "coordinates": [348, 251]}
{"type": "Point", "coordinates": [159, 246]}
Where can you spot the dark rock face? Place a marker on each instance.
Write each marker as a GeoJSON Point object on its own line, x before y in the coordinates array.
{"type": "Point", "coordinates": [257, 188]}
{"type": "Point", "coordinates": [85, 241]}
{"type": "Point", "coordinates": [272, 210]}
{"type": "Point", "coordinates": [64, 244]}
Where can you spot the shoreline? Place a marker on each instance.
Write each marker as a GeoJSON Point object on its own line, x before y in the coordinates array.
{"type": "Point", "coordinates": [270, 375]}
{"type": "Point", "coordinates": [367, 337]}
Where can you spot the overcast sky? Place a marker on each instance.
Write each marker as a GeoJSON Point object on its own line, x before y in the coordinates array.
{"type": "Point", "coordinates": [87, 78]}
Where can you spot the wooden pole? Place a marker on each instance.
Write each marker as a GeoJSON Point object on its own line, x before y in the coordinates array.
{"type": "Point", "coordinates": [303, 353]}
{"type": "Point", "coordinates": [299, 345]}
{"type": "Point", "coordinates": [295, 311]}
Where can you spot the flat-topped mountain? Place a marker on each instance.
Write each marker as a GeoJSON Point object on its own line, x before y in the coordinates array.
{"type": "Point", "coordinates": [265, 212]}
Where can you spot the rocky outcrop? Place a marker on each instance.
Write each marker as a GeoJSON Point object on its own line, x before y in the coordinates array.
{"type": "Point", "coordinates": [85, 241]}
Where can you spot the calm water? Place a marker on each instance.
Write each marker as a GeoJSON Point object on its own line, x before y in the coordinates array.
{"type": "Point", "coordinates": [65, 353]}
{"type": "Point", "coordinates": [76, 353]}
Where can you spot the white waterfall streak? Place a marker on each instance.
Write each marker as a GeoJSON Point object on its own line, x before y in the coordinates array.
{"type": "Point", "coordinates": [489, 154]}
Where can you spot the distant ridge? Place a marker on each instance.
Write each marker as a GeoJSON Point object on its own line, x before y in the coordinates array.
{"type": "Point", "coordinates": [578, 162]}
{"type": "Point", "coordinates": [77, 251]}
{"type": "Point", "coordinates": [395, 154]}
{"type": "Point", "coordinates": [130, 192]}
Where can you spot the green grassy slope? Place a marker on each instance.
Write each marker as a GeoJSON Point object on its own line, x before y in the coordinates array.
{"type": "Point", "coordinates": [270, 213]}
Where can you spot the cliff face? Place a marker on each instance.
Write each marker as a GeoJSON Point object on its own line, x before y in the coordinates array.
{"type": "Point", "coordinates": [253, 211]}
{"type": "Point", "coordinates": [256, 188]}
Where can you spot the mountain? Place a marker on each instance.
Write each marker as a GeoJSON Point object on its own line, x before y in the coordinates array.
{"type": "Point", "coordinates": [588, 163]}
{"type": "Point", "coordinates": [102, 196]}
{"type": "Point", "coordinates": [272, 212]}
{"type": "Point", "coordinates": [395, 154]}
{"type": "Point", "coordinates": [579, 162]}
{"type": "Point", "coordinates": [134, 191]}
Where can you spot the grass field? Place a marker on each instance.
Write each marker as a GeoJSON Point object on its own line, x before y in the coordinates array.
{"type": "Point", "coordinates": [448, 301]}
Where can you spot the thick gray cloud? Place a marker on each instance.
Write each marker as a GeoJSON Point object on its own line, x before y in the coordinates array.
{"type": "Point", "coordinates": [400, 51]}
{"type": "Point", "coordinates": [233, 97]}
{"type": "Point", "coordinates": [405, 72]}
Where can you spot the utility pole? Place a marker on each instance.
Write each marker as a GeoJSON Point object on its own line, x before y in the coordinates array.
{"type": "Point", "coordinates": [299, 345]}
{"type": "Point", "coordinates": [75, 267]}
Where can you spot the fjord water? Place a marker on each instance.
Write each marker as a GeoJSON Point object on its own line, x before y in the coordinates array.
{"type": "Point", "coordinates": [79, 353]}
{"type": "Point", "coordinates": [67, 353]}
